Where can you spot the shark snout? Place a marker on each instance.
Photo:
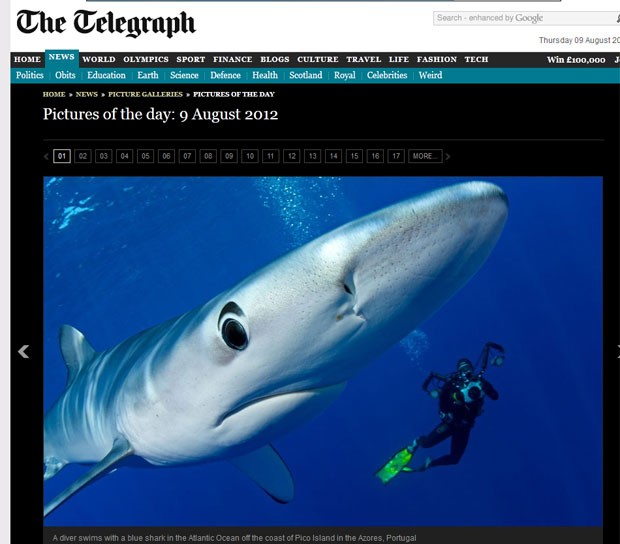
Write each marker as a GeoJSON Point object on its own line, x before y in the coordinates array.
{"type": "Point", "coordinates": [417, 253]}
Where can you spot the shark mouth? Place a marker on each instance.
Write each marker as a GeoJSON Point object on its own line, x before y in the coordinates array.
{"type": "Point", "coordinates": [287, 402]}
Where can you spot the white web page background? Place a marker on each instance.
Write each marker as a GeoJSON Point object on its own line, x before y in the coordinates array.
{"type": "Point", "coordinates": [5, 382]}
{"type": "Point", "coordinates": [322, 26]}
{"type": "Point", "coordinates": [271, 26]}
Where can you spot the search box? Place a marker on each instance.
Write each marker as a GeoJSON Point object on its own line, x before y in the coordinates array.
{"type": "Point", "coordinates": [526, 18]}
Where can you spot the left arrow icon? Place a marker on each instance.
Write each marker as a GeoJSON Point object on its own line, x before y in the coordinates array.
{"type": "Point", "coordinates": [22, 351]}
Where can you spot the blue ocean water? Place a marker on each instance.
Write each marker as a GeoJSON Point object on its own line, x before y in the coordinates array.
{"type": "Point", "coordinates": [123, 254]}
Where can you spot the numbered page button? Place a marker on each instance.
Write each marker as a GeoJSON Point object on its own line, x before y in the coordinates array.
{"type": "Point", "coordinates": [83, 156]}
{"type": "Point", "coordinates": [124, 156]}
{"type": "Point", "coordinates": [62, 156]}
{"type": "Point", "coordinates": [146, 156]}
{"type": "Point", "coordinates": [166, 156]}
{"type": "Point", "coordinates": [103, 156]}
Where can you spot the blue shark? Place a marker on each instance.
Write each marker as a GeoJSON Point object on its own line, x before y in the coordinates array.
{"type": "Point", "coordinates": [224, 380]}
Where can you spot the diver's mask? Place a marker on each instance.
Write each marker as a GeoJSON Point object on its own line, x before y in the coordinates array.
{"type": "Point", "coordinates": [465, 369]}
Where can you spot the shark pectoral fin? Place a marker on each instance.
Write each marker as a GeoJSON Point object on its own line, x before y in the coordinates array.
{"type": "Point", "coordinates": [269, 471]}
{"type": "Point", "coordinates": [119, 451]}
{"type": "Point", "coordinates": [75, 349]}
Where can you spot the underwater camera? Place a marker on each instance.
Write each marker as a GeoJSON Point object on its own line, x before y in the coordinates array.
{"type": "Point", "coordinates": [472, 392]}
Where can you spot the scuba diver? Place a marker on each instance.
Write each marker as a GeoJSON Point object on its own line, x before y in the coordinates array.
{"type": "Point", "coordinates": [461, 398]}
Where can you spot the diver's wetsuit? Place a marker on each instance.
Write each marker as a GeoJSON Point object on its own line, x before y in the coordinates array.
{"type": "Point", "coordinates": [458, 417]}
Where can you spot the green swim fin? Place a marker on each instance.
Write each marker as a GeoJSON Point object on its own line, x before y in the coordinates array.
{"type": "Point", "coordinates": [397, 463]}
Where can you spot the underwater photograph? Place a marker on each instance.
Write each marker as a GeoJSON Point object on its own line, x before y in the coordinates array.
{"type": "Point", "coordinates": [323, 351]}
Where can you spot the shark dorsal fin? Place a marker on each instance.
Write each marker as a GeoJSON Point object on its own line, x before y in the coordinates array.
{"type": "Point", "coordinates": [120, 449]}
{"type": "Point", "coordinates": [75, 349]}
{"type": "Point", "coordinates": [265, 467]}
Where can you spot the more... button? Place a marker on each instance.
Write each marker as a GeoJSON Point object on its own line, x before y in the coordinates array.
{"type": "Point", "coordinates": [426, 156]}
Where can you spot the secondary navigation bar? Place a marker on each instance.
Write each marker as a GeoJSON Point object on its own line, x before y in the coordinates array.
{"type": "Point", "coordinates": [316, 75]}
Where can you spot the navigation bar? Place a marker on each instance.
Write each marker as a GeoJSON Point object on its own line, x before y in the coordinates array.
{"type": "Point", "coordinates": [319, 60]}
{"type": "Point", "coordinates": [71, 66]}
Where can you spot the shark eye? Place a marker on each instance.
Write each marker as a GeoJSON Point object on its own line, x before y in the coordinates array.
{"type": "Point", "coordinates": [347, 289]}
{"type": "Point", "coordinates": [233, 333]}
